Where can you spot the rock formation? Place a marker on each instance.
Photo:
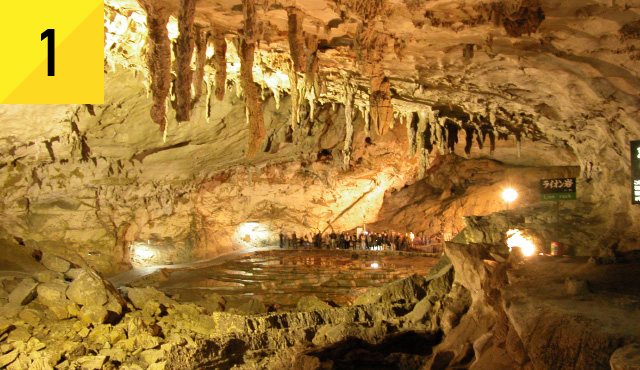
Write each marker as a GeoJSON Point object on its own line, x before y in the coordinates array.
{"type": "Point", "coordinates": [327, 115]}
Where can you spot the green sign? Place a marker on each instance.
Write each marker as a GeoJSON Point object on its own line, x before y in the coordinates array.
{"type": "Point", "coordinates": [558, 189]}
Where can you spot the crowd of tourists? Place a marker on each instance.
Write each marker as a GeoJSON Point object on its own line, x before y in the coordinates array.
{"type": "Point", "coordinates": [365, 240]}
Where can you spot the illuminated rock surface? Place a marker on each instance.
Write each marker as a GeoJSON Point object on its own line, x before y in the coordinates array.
{"type": "Point", "coordinates": [226, 123]}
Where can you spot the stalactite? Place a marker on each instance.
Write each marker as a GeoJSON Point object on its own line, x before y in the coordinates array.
{"type": "Point", "coordinates": [380, 102]}
{"type": "Point", "coordinates": [469, 140]}
{"type": "Point", "coordinates": [411, 134]}
{"type": "Point", "coordinates": [210, 88]}
{"type": "Point", "coordinates": [519, 143]}
{"type": "Point", "coordinates": [367, 121]}
{"type": "Point", "coordinates": [219, 61]}
{"type": "Point", "coordinates": [252, 103]}
{"type": "Point", "coordinates": [159, 61]}
{"type": "Point", "coordinates": [420, 145]}
{"type": "Point", "coordinates": [492, 141]}
{"type": "Point", "coordinates": [276, 96]}
{"type": "Point", "coordinates": [311, 68]}
{"type": "Point", "coordinates": [349, 95]}
{"type": "Point", "coordinates": [312, 108]}
{"type": "Point", "coordinates": [184, 54]}
{"type": "Point", "coordinates": [295, 103]}
{"type": "Point", "coordinates": [441, 135]}
{"type": "Point", "coordinates": [452, 136]}
{"type": "Point", "coordinates": [296, 39]}
{"type": "Point", "coordinates": [202, 39]}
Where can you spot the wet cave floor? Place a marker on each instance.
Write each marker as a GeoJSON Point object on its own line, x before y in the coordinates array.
{"type": "Point", "coordinates": [284, 276]}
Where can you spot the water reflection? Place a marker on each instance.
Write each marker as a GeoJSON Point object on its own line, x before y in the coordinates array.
{"type": "Point", "coordinates": [283, 276]}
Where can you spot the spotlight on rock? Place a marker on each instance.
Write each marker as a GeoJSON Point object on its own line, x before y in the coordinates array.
{"type": "Point", "coordinates": [516, 239]}
{"type": "Point", "coordinates": [253, 234]}
{"type": "Point", "coordinates": [509, 195]}
{"type": "Point", "coordinates": [375, 265]}
{"type": "Point", "coordinates": [143, 254]}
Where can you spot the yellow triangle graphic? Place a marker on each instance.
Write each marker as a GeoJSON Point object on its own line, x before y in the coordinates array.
{"type": "Point", "coordinates": [79, 69]}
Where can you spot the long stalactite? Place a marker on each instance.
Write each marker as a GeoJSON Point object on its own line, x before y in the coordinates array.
{"type": "Point", "coordinates": [184, 53]}
{"type": "Point", "coordinates": [255, 119]}
{"type": "Point", "coordinates": [202, 40]}
{"type": "Point", "coordinates": [158, 61]}
{"type": "Point", "coordinates": [219, 61]}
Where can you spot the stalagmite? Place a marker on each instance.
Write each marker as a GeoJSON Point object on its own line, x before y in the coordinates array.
{"type": "Point", "coordinates": [159, 61]}
{"type": "Point", "coordinates": [296, 39]}
{"type": "Point", "coordinates": [219, 61]}
{"type": "Point", "coordinates": [251, 100]}
{"type": "Point", "coordinates": [349, 95]}
{"type": "Point", "coordinates": [184, 53]}
{"type": "Point", "coordinates": [202, 38]}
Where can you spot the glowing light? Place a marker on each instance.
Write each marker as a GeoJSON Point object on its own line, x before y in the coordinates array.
{"type": "Point", "coordinates": [375, 265]}
{"type": "Point", "coordinates": [509, 195]}
{"type": "Point", "coordinates": [143, 252]}
{"type": "Point", "coordinates": [248, 227]}
{"type": "Point", "coordinates": [515, 238]}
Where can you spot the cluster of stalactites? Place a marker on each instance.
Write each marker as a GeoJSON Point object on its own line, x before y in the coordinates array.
{"type": "Point", "coordinates": [427, 130]}
{"type": "Point", "coordinates": [187, 86]}
{"type": "Point", "coordinates": [303, 49]}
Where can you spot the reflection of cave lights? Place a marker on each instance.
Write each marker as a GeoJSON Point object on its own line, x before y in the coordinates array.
{"type": "Point", "coordinates": [515, 238]}
{"type": "Point", "coordinates": [375, 265]}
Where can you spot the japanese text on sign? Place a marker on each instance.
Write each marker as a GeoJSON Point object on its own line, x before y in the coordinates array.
{"type": "Point", "coordinates": [558, 183]}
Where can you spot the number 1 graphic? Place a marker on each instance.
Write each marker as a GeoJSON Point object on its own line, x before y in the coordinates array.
{"type": "Point", "coordinates": [51, 60]}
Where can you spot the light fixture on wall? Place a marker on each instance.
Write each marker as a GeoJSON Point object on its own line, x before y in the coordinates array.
{"type": "Point", "coordinates": [509, 195]}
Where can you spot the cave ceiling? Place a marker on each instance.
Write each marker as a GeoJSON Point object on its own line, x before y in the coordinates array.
{"type": "Point", "coordinates": [499, 67]}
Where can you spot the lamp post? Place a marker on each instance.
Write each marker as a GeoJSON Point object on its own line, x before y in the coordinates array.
{"type": "Point", "coordinates": [509, 195]}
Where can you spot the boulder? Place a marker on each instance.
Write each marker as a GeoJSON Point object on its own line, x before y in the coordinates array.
{"type": "Point", "coordinates": [24, 293]}
{"type": "Point", "coordinates": [10, 310]}
{"type": "Point", "coordinates": [311, 303]}
{"type": "Point", "coordinates": [139, 297]}
{"type": "Point", "coordinates": [576, 286]}
{"type": "Point", "coordinates": [31, 316]}
{"type": "Point", "coordinates": [87, 290]}
{"type": "Point", "coordinates": [91, 362]}
{"type": "Point", "coordinates": [46, 276]}
{"type": "Point", "coordinates": [50, 293]}
{"type": "Point", "coordinates": [420, 311]}
{"type": "Point", "coordinates": [245, 306]}
{"type": "Point", "coordinates": [626, 358]}
{"type": "Point", "coordinates": [93, 314]}
{"type": "Point", "coordinates": [410, 289]}
{"type": "Point", "coordinates": [55, 263]}
{"type": "Point", "coordinates": [8, 358]}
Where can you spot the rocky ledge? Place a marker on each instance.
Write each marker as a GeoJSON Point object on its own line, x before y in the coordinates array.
{"type": "Point", "coordinates": [479, 308]}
